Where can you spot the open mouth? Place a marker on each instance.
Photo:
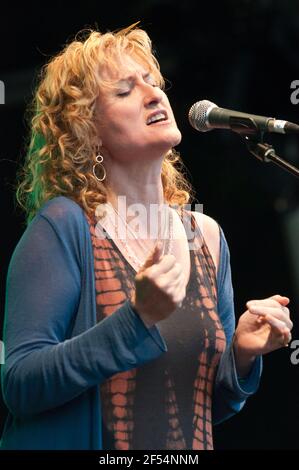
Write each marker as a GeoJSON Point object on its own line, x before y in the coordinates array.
{"type": "Point", "coordinates": [157, 117]}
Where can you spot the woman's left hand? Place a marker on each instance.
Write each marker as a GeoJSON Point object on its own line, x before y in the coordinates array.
{"type": "Point", "coordinates": [264, 327]}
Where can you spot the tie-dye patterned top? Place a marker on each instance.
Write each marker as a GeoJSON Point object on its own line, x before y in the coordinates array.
{"type": "Point", "coordinates": [165, 404]}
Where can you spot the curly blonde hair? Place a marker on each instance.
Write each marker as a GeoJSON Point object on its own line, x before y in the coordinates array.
{"type": "Point", "coordinates": [62, 147]}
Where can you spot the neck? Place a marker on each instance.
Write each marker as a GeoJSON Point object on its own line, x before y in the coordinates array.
{"type": "Point", "coordinates": [139, 183]}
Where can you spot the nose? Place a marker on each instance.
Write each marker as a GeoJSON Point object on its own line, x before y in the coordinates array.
{"type": "Point", "coordinates": [152, 95]}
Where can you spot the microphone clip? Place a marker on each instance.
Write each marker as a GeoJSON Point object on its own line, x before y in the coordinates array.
{"type": "Point", "coordinates": [266, 153]}
{"type": "Point", "coordinates": [243, 126]}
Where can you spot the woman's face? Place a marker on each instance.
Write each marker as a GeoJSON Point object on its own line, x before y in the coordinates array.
{"type": "Point", "coordinates": [135, 118]}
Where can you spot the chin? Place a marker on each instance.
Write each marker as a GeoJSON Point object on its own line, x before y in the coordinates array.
{"type": "Point", "coordinates": [168, 141]}
{"type": "Point", "coordinates": [176, 138]}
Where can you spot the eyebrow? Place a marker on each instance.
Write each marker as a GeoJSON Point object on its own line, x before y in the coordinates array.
{"type": "Point", "coordinates": [131, 78]}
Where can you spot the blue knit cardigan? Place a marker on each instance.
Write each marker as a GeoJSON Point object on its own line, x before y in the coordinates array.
{"type": "Point", "coordinates": [56, 352]}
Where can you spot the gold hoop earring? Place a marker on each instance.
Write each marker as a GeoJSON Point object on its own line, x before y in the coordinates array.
{"type": "Point", "coordinates": [99, 160]}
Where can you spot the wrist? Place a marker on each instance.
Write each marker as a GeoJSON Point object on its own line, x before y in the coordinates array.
{"type": "Point", "coordinates": [145, 319]}
{"type": "Point", "coordinates": [243, 359]}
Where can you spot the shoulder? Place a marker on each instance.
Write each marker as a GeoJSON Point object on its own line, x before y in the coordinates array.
{"type": "Point", "coordinates": [211, 233]}
{"type": "Point", "coordinates": [63, 212]}
{"type": "Point", "coordinates": [65, 217]}
{"type": "Point", "coordinates": [59, 207]}
{"type": "Point", "coordinates": [59, 224]}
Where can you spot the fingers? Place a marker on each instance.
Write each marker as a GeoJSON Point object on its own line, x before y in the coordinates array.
{"type": "Point", "coordinates": [279, 321]}
{"type": "Point", "coordinates": [282, 332]}
{"type": "Point", "coordinates": [178, 286]}
{"type": "Point", "coordinates": [281, 299]}
{"type": "Point", "coordinates": [173, 284]}
{"type": "Point", "coordinates": [172, 276]}
{"type": "Point", "coordinates": [274, 312]}
{"type": "Point", "coordinates": [164, 266]}
{"type": "Point", "coordinates": [153, 257]}
{"type": "Point", "coordinates": [274, 301]}
{"type": "Point", "coordinates": [167, 275]}
{"type": "Point", "coordinates": [280, 313]}
{"type": "Point", "coordinates": [287, 338]}
{"type": "Point", "coordinates": [279, 325]}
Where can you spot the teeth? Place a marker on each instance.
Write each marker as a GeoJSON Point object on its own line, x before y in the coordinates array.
{"type": "Point", "coordinates": [155, 118]}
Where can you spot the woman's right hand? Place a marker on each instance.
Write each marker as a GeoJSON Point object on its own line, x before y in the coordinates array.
{"type": "Point", "coordinates": [159, 287]}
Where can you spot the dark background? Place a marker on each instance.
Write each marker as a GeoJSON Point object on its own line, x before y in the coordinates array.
{"type": "Point", "coordinates": [241, 55]}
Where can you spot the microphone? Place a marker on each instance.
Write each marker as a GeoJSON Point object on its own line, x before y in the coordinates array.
{"type": "Point", "coordinates": [205, 116]}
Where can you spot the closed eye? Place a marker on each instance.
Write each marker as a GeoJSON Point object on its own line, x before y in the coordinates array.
{"type": "Point", "coordinates": [124, 93]}
{"type": "Point", "coordinates": [150, 80]}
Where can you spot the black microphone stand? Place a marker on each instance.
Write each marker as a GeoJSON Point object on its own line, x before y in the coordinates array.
{"type": "Point", "coordinates": [254, 142]}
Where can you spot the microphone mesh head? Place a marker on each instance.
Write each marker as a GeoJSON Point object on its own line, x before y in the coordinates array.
{"type": "Point", "coordinates": [198, 115]}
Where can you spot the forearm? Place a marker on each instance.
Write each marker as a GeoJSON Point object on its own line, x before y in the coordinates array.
{"type": "Point", "coordinates": [243, 360]}
{"type": "Point", "coordinates": [230, 393]}
{"type": "Point", "coordinates": [46, 376]}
